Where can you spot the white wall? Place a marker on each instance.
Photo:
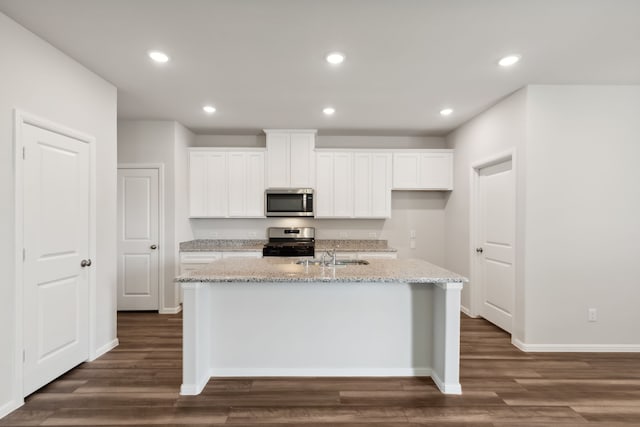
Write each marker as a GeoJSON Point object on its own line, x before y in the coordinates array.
{"type": "Point", "coordinates": [155, 141]}
{"type": "Point", "coordinates": [39, 79]}
{"type": "Point", "coordinates": [583, 215]}
{"type": "Point", "coordinates": [497, 130]}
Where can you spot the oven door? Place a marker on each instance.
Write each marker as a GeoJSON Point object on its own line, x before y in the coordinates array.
{"type": "Point", "coordinates": [288, 204]}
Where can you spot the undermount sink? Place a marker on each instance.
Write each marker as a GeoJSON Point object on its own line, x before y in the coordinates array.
{"type": "Point", "coordinates": [329, 263]}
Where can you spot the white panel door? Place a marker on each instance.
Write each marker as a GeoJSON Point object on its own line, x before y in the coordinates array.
{"type": "Point", "coordinates": [302, 160]}
{"type": "Point", "coordinates": [278, 163]}
{"type": "Point", "coordinates": [363, 185]}
{"type": "Point", "coordinates": [323, 198]}
{"type": "Point", "coordinates": [237, 183]}
{"type": "Point", "coordinates": [342, 185]}
{"type": "Point", "coordinates": [436, 171]}
{"type": "Point", "coordinates": [380, 185]}
{"type": "Point", "coordinates": [56, 241]}
{"type": "Point", "coordinates": [138, 232]}
{"type": "Point", "coordinates": [496, 200]}
{"type": "Point", "coordinates": [254, 194]}
{"type": "Point", "coordinates": [197, 184]}
{"type": "Point", "coordinates": [406, 170]}
{"type": "Point", "coordinates": [217, 185]}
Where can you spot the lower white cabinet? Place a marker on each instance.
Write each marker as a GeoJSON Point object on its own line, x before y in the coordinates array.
{"type": "Point", "coordinates": [192, 261]}
{"type": "Point", "coordinates": [423, 170]}
{"type": "Point", "coordinates": [226, 183]}
{"type": "Point", "coordinates": [365, 255]}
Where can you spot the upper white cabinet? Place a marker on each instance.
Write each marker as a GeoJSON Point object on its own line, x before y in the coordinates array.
{"type": "Point", "coordinates": [423, 170]}
{"type": "Point", "coordinates": [226, 183]}
{"type": "Point", "coordinates": [372, 184]}
{"type": "Point", "coordinates": [290, 158]}
{"type": "Point", "coordinates": [353, 184]}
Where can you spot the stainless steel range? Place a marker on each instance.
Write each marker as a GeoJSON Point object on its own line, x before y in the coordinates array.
{"type": "Point", "coordinates": [290, 241]}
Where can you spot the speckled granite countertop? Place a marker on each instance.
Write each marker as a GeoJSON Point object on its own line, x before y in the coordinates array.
{"type": "Point", "coordinates": [228, 245]}
{"type": "Point", "coordinates": [221, 245]}
{"type": "Point", "coordinates": [286, 270]}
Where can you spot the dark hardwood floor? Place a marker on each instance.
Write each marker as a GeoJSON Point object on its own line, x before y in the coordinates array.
{"type": "Point", "coordinates": [138, 383]}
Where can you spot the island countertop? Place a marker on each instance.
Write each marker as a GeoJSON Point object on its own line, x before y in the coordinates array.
{"type": "Point", "coordinates": [286, 270]}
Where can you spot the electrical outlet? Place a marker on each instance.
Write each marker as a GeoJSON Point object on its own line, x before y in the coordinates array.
{"type": "Point", "coordinates": [412, 234]}
{"type": "Point", "coordinates": [344, 234]}
{"type": "Point", "coordinates": [373, 235]}
{"type": "Point", "coordinates": [592, 314]}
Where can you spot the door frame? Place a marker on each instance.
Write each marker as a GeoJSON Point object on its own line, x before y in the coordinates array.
{"type": "Point", "coordinates": [477, 292]}
{"type": "Point", "coordinates": [162, 309]}
{"type": "Point", "coordinates": [24, 118]}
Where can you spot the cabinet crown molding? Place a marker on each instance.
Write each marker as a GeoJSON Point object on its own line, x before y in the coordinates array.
{"type": "Point", "coordinates": [312, 131]}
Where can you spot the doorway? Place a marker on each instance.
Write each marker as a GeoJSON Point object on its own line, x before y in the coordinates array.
{"type": "Point", "coordinates": [493, 248]}
{"type": "Point", "coordinates": [140, 260]}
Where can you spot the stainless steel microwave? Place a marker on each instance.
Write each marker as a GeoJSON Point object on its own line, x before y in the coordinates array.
{"type": "Point", "coordinates": [288, 202]}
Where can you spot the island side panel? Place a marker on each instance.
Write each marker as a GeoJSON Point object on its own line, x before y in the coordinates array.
{"type": "Point", "coordinates": [320, 329]}
{"type": "Point", "coordinates": [196, 325]}
{"type": "Point", "coordinates": [446, 334]}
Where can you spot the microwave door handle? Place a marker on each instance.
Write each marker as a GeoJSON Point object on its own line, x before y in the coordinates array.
{"type": "Point", "coordinates": [304, 203]}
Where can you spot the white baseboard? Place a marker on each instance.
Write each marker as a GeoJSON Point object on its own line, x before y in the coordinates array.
{"type": "Point", "coordinates": [9, 407]}
{"type": "Point", "coordinates": [104, 349]}
{"type": "Point", "coordinates": [193, 389]}
{"type": "Point", "coordinates": [466, 311]}
{"type": "Point", "coordinates": [444, 387]}
{"type": "Point", "coordinates": [171, 310]}
{"type": "Point", "coordinates": [576, 348]}
{"type": "Point", "coordinates": [322, 372]}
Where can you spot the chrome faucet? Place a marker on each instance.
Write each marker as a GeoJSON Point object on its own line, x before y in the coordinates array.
{"type": "Point", "coordinates": [331, 254]}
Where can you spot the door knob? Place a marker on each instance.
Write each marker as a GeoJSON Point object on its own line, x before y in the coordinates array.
{"type": "Point", "coordinates": [154, 247]}
{"type": "Point", "coordinates": [85, 263]}
{"type": "Point", "coordinates": [479, 250]}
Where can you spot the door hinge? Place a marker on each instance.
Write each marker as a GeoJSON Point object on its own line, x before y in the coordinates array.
{"type": "Point", "coordinates": [24, 356]}
{"type": "Point", "coordinates": [24, 254]}
{"type": "Point", "coordinates": [24, 153]}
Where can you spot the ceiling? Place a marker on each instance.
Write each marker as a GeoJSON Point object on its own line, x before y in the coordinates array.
{"type": "Point", "coordinates": [261, 62]}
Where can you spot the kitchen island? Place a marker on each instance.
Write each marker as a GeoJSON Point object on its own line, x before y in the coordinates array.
{"type": "Point", "coordinates": [274, 317]}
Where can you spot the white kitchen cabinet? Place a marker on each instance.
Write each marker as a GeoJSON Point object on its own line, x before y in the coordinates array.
{"type": "Point", "coordinates": [353, 184]}
{"type": "Point", "coordinates": [423, 170]}
{"type": "Point", "coordinates": [290, 158]}
{"type": "Point", "coordinates": [334, 184]}
{"type": "Point", "coordinates": [241, 254]}
{"type": "Point", "coordinates": [192, 261]}
{"type": "Point", "coordinates": [372, 184]}
{"type": "Point", "coordinates": [226, 183]}
{"type": "Point", "coordinates": [377, 255]}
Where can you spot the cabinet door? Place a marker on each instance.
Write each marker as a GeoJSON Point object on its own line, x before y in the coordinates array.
{"type": "Point", "coordinates": [254, 188]}
{"type": "Point", "coordinates": [380, 191]}
{"type": "Point", "coordinates": [324, 185]}
{"type": "Point", "coordinates": [237, 183]}
{"type": "Point", "coordinates": [406, 171]}
{"type": "Point", "coordinates": [302, 158]}
{"type": "Point", "coordinates": [363, 185]}
{"type": "Point", "coordinates": [241, 254]}
{"type": "Point", "coordinates": [197, 184]}
{"type": "Point", "coordinates": [278, 160]}
{"type": "Point", "coordinates": [377, 255]}
{"type": "Point", "coordinates": [342, 185]}
{"type": "Point", "coordinates": [217, 193]}
{"type": "Point", "coordinates": [436, 171]}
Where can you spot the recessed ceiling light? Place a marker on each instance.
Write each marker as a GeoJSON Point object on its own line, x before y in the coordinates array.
{"type": "Point", "coordinates": [509, 60]}
{"type": "Point", "coordinates": [158, 56]}
{"type": "Point", "coordinates": [335, 58]}
{"type": "Point", "coordinates": [209, 109]}
{"type": "Point", "coordinates": [329, 111]}
{"type": "Point", "coordinates": [446, 111]}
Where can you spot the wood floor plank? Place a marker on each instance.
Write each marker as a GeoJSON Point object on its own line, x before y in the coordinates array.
{"type": "Point", "coordinates": [138, 384]}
